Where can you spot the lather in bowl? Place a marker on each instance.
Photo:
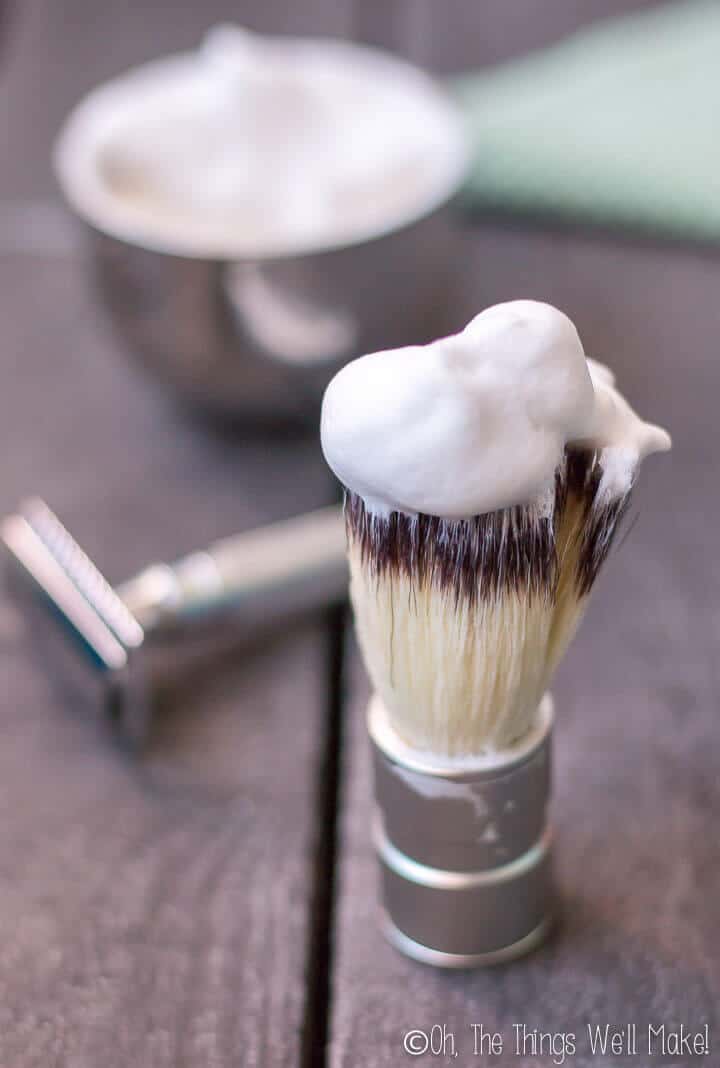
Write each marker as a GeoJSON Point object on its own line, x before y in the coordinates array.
{"type": "Point", "coordinates": [251, 330]}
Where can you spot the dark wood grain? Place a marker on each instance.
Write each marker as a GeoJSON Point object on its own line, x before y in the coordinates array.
{"type": "Point", "coordinates": [153, 911]}
{"type": "Point", "coordinates": [637, 789]}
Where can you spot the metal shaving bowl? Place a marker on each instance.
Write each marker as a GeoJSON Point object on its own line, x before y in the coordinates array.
{"type": "Point", "coordinates": [259, 338]}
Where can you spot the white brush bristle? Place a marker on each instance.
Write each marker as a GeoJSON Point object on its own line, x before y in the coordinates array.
{"type": "Point", "coordinates": [455, 679]}
{"type": "Point", "coordinates": [461, 669]}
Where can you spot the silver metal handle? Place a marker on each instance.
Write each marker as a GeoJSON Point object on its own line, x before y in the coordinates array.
{"type": "Point", "coordinates": [464, 850]}
{"type": "Point", "coordinates": [289, 566]}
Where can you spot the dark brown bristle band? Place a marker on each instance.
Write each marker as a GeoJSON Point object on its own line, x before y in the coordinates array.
{"type": "Point", "coordinates": [601, 520]}
{"type": "Point", "coordinates": [512, 550]}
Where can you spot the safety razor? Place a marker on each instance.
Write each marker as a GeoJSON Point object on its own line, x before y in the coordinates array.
{"type": "Point", "coordinates": [128, 634]}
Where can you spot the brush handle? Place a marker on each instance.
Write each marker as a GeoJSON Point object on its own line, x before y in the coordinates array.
{"type": "Point", "coordinates": [464, 851]}
{"type": "Point", "coordinates": [291, 566]}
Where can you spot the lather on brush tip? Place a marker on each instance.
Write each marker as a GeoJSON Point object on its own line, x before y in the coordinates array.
{"type": "Point", "coordinates": [486, 476]}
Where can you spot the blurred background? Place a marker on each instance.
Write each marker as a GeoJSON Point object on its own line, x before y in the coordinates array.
{"type": "Point", "coordinates": [55, 53]}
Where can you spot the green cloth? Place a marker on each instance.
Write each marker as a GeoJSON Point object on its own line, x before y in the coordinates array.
{"type": "Point", "coordinates": [618, 125]}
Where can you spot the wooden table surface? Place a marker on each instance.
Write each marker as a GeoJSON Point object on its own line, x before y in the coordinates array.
{"type": "Point", "coordinates": [175, 909]}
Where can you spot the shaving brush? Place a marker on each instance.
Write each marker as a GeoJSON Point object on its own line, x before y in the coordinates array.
{"type": "Point", "coordinates": [463, 623]}
{"type": "Point", "coordinates": [486, 476]}
{"type": "Point", "coordinates": [454, 619]}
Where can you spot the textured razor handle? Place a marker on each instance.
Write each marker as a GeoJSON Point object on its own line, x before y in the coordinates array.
{"type": "Point", "coordinates": [294, 565]}
{"type": "Point", "coordinates": [464, 850]}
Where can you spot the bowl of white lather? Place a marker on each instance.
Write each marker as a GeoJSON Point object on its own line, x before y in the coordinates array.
{"type": "Point", "coordinates": [264, 209]}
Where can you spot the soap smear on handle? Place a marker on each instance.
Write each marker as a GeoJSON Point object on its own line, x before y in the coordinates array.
{"type": "Point", "coordinates": [480, 421]}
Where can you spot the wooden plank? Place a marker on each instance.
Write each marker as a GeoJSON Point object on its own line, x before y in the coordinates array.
{"type": "Point", "coordinates": [636, 780]}
{"type": "Point", "coordinates": [154, 911]}
{"type": "Point", "coordinates": [151, 912]}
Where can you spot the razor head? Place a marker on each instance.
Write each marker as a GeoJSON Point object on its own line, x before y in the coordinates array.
{"type": "Point", "coordinates": [78, 600]}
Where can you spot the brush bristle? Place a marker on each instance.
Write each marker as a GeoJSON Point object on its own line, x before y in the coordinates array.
{"type": "Point", "coordinates": [462, 623]}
